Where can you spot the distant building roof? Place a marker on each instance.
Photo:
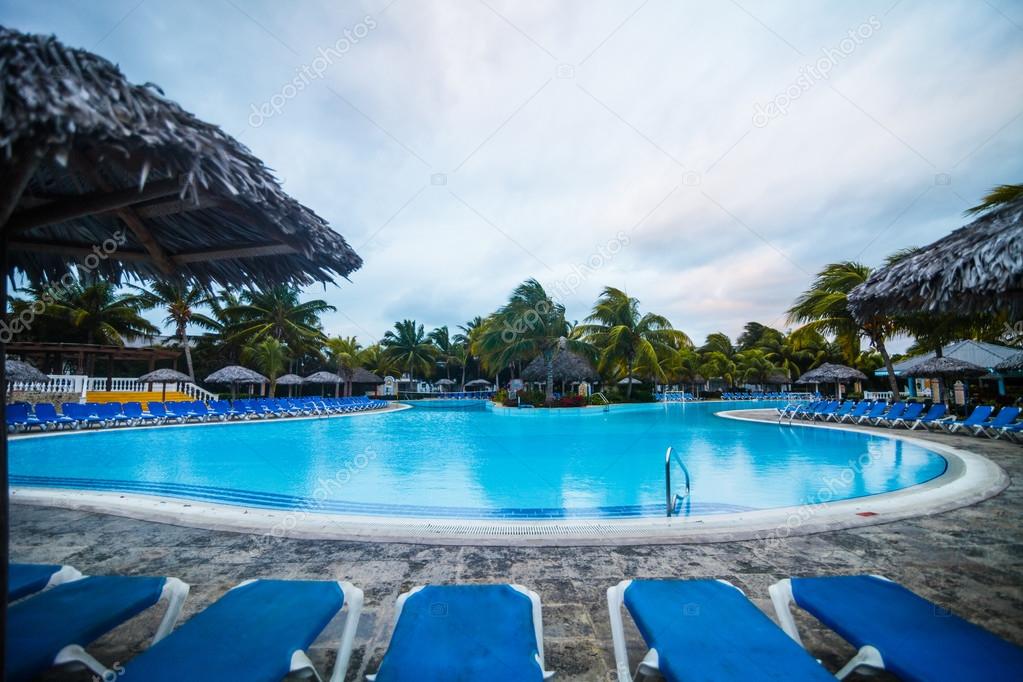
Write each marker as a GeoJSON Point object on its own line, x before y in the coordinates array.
{"type": "Point", "coordinates": [986, 355]}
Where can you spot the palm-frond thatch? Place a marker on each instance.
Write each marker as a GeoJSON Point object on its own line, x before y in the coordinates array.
{"type": "Point", "coordinates": [16, 371]}
{"type": "Point", "coordinates": [778, 379]}
{"type": "Point", "coordinates": [477, 382]}
{"type": "Point", "coordinates": [323, 378]}
{"type": "Point", "coordinates": [164, 376]}
{"type": "Point", "coordinates": [945, 367]}
{"type": "Point", "coordinates": [976, 269]}
{"type": "Point", "coordinates": [290, 380]}
{"type": "Point", "coordinates": [568, 366]}
{"type": "Point", "coordinates": [831, 373]}
{"type": "Point", "coordinates": [1014, 363]}
{"type": "Point", "coordinates": [92, 159]}
{"type": "Point", "coordinates": [235, 374]}
{"type": "Point", "coordinates": [361, 375]}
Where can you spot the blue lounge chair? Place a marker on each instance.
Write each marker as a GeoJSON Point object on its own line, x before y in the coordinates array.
{"type": "Point", "coordinates": [933, 416]}
{"type": "Point", "coordinates": [704, 631]}
{"type": "Point", "coordinates": [894, 412]}
{"type": "Point", "coordinates": [26, 579]}
{"type": "Point", "coordinates": [843, 409]}
{"type": "Point", "coordinates": [47, 414]}
{"type": "Point", "coordinates": [19, 418]}
{"type": "Point", "coordinates": [51, 627]}
{"type": "Point", "coordinates": [876, 412]}
{"type": "Point", "coordinates": [160, 411]}
{"type": "Point", "coordinates": [135, 414]}
{"type": "Point", "coordinates": [112, 415]}
{"type": "Point", "coordinates": [979, 415]}
{"type": "Point", "coordinates": [1012, 432]}
{"type": "Point", "coordinates": [258, 631]}
{"type": "Point", "coordinates": [908, 416]}
{"type": "Point", "coordinates": [222, 410]}
{"type": "Point", "coordinates": [82, 414]}
{"type": "Point", "coordinates": [860, 410]}
{"type": "Point", "coordinates": [897, 630]}
{"type": "Point", "coordinates": [1005, 417]}
{"type": "Point", "coordinates": [466, 632]}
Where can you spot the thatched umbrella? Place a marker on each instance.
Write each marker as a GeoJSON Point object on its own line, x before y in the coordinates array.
{"type": "Point", "coordinates": [92, 161]}
{"type": "Point", "coordinates": [289, 380]}
{"type": "Point", "coordinates": [778, 379]}
{"type": "Point", "coordinates": [976, 269]}
{"type": "Point", "coordinates": [629, 380]}
{"type": "Point", "coordinates": [1014, 363]}
{"type": "Point", "coordinates": [234, 375]}
{"type": "Point", "coordinates": [568, 366]}
{"type": "Point", "coordinates": [477, 382]}
{"type": "Point", "coordinates": [444, 382]}
{"type": "Point", "coordinates": [943, 368]}
{"type": "Point", "coordinates": [164, 376]}
{"type": "Point", "coordinates": [16, 371]}
{"type": "Point", "coordinates": [323, 378]}
{"type": "Point", "coordinates": [831, 373]}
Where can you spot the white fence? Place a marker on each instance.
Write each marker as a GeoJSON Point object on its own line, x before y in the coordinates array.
{"type": "Point", "coordinates": [81, 384]}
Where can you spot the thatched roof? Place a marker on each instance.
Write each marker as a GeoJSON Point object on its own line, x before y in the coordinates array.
{"type": "Point", "coordinates": [477, 382]}
{"type": "Point", "coordinates": [830, 373]}
{"type": "Point", "coordinates": [568, 366]}
{"type": "Point", "coordinates": [444, 382]}
{"type": "Point", "coordinates": [629, 380]}
{"type": "Point", "coordinates": [1012, 364]}
{"type": "Point", "coordinates": [778, 379]}
{"type": "Point", "coordinates": [89, 156]}
{"type": "Point", "coordinates": [323, 378]}
{"type": "Point", "coordinates": [977, 268]}
{"type": "Point", "coordinates": [164, 376]}
{"type": "Point", "coordinates": [361, 375]}
{"type": "Point", "coordinates": [234, 374]}
{"type": "Point", "coordinates": [945, 367]}
{"type": "Point", "coordinates": [16, 371]}
{"type": "Point", "coordinates": [289, 380]}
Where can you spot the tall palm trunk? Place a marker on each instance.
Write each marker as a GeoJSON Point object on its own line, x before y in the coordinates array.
{"type": "Point", "coordinates": [889, 367]}
{"type": "Point", "coordinates": [548, 361]}
{"type": "Point", "coordinates": [183, 337]}
{"type": "Point", "coordinates": [463, 374]}
{"type": "Point", "coordinates": [628, 377]}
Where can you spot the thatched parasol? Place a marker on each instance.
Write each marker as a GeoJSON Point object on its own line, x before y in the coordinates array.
{"type": "Point", "coordinates": [444, 382]}
{"type": "Point", "coordinates": [829, 373]}
{"type": "Point", "coordinates": [93, 159]}
{"type": "Point", "coordinates": [629, 380]}
{"type": "Point", "coordinates": [164, 376]}
{"type": "Point", "coordinates": [477, 382]}
{"type": "Point", "coordinates": [290, 380]}
{"type": "Point", "coordinates": [234, 375]}
{"type": "Point", "coordinates": [361, 375]}
{"type": "Point", "coordinates": [778, 379]}
{"type": "Point", "coordinates": [1014, 363]}
{"type": "Point", "coordinates": [568, 366]}
{"type": "Point", "coordinates": [976, 269]}
{"type": "Point", "coordinates": [16, 371]}
{"type": "Point", "coordinates": [324, 378]}
{"type": "Point", "coordinates": [943, 368]}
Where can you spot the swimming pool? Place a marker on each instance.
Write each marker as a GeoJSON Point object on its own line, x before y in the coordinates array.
{"type": "Point", "coordinates": [482, 464]}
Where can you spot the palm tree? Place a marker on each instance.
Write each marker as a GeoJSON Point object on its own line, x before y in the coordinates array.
{"type": "Point", "coordinates": [754, 366]}
{"type": "Point", "coordinates": [180, 301]}
{"type": "Point", "coordinates": [276, 312]}
{"type": "Point", "coordinates": [624, 337]}
{"type": "Point", "coordinates": [999, 196]}
{"type": "Point", "coordinates": [344, 354]}
{"type": "Point", "coordinates": [531, 323]}
{"type": "Point", "coordinates": [445, 348]}
{"type": "Point", "coordinates": [409, 348]}
{"type": "Point", "coordinates": [824, 309]}
{"type": "Point", "coordinates": [270, 356]}
{"type": "Point", "coordinates": [716, 365]}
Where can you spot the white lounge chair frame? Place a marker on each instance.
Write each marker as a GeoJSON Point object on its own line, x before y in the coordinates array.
{"type": "Point", "coordinates": [782, 599]}
{"type": "Point", "coordinates": [649, 666]}
{"type": "Point", "coordinates": [174, 591]}
{"type": "Point", "coordinates": [534, 599]}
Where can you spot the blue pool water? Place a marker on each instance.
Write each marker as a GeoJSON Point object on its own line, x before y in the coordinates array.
{"type": "Point", "coordinates": [478, 464]}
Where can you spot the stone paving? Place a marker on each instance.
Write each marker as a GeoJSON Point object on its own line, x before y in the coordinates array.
{"type": "Point", "coordinates": [969, 561]}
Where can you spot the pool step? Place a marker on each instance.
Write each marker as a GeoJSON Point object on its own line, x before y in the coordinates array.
{"type": "Point", "coordinates": [143, 397]}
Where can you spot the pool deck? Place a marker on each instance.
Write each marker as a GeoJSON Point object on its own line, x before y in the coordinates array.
{"type": "Point", "coordinates": [969, 560]}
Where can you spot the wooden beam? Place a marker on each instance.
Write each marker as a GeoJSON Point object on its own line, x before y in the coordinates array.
{"type": "Point", "coordinates": [244, 252]}
{"type": "Point", "coordinates": [16, 178]}
{"type": "Point", "coordinates": [89, 204]}
{"type": "Point", "coordinates": [65, 249]}
{"type": "Point", "coordinates": [175, 206]}
{"type": "Point", "coordinates": [156, 252]}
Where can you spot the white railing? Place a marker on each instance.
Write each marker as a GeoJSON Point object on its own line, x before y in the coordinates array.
{"type": "Point", "coordinates": [57, 383]}
{"type": "Point", "coordinates": [883, 395]}
{"type": "Point", "coordinates": [131, 384]}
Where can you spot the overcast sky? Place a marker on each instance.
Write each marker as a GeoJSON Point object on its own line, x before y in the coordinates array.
{"type": "Point", "coordinates": [706, 157]}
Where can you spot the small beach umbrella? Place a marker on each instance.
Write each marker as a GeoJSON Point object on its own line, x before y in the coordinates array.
{"type": "Point", "coordinates": [477, 382]}
{"type": "Point", "coordinates": [444, 382]}
{"type": "Point", "coordinates": [16, 371]}
{"type": "Point", "coordinates": [629, 380]}
{"type": "Point", "coordinates": [323, 378]}
{"type": "Point", "coordinates": [945, 368]}
{"type": "Point", "coordinates": [289, 380]}
{"type": "Point", "coordinates": [164, 376]}
{"type": "Point", "coordinates": [829, 373]}
{"type": "Point", "coordinates": [234, 375]}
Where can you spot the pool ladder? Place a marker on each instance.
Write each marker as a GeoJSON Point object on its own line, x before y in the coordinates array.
{"type": "Point", "coordinates": [672, 500]}
{"type": "Point", "coordinates": [607, 403]}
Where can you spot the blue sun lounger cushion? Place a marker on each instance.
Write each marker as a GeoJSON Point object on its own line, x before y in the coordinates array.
{"type": "Point", "coordinates": [51, 627]}
{"type": "Point", "coordinates": [257, 631]}
{"type": "Point", "coordinates": [898, 630]}
{"type": "Point", "coordinates": [705, 630]}
{"type": "Point", "coordinates": [466, 632]}
{"type": "Point", "coordinates": [26, 579]}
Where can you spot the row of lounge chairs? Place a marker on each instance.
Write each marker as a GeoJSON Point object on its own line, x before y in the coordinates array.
{"type": "Point", "coordinates": [674, 397]}
{"type": "Point", "coordinates": [781, 395]}
{"type": "Point", "coordinates": [464, 395]}
{"type": "Point", "coordinates": [694, 629]}
{"type": "Point", "coordinates": [44, 417]}
{"type": "Point", "coordinates": [982, 421]}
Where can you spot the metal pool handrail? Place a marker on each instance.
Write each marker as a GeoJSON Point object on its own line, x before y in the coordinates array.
{"type": "Point", "coordinates": [668, 497]}
{"type": "Point", "coordinates": [607, 403]}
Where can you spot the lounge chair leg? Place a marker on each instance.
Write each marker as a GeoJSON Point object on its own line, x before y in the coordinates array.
{"type": "Point", "coordinates": [615, 602]}
{"type": "Point", "coordinates": [175, 592]}
{"type": "Point", "coordinates": [866, 656]}
{"type": "Point", "coordinates": [76, 654]}
{"type": "Point", "coordinates": [353, 601]}
{"type": "Point", "coordinates": [781, 598]}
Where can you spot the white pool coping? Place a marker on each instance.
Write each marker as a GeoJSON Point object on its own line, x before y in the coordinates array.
{"type": "Point", "coordinates": [969, 478]}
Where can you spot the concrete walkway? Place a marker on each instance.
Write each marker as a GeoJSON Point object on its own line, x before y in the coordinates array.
{"type": "Point", "coordinates": [969, 561]}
